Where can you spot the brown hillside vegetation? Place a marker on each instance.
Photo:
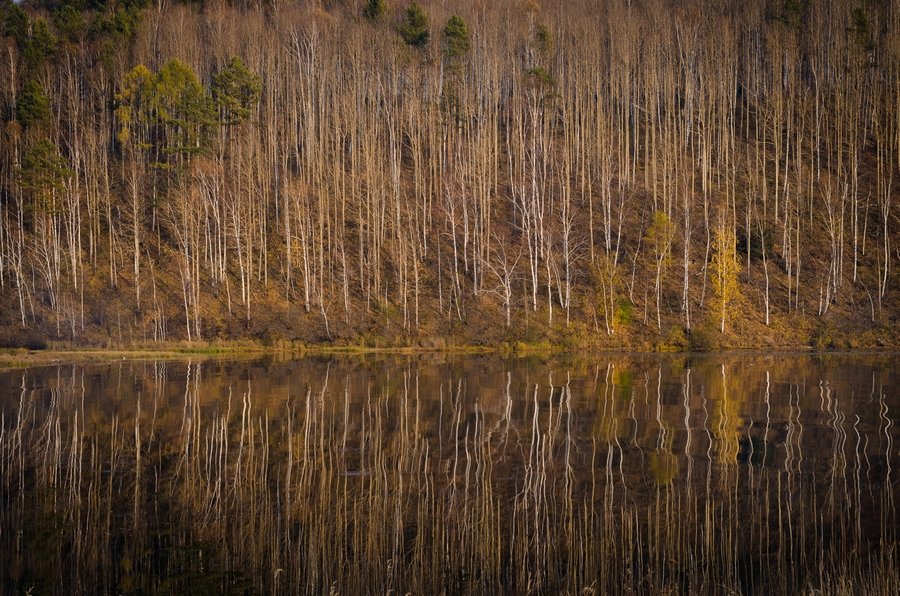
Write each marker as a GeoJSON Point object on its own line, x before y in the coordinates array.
{"type": "Point", "coordinates": [613, 174]}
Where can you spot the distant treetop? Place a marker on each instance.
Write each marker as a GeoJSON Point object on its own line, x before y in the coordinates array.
{"type": "Point", "coordinates": [414, 27]}
{"type": "Point", "coordinates": [374, 9]}
{"type": "Point", "coordinates": [455, 38]}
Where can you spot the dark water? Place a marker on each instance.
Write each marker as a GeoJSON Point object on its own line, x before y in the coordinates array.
{"type": "Point", "coordinates": [439, 474]}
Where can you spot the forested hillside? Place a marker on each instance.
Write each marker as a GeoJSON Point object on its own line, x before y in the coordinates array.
{"type": "Point", "coordinates": [623, 173]}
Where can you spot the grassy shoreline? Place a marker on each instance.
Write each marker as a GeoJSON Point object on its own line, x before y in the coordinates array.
{"type": "Point", "coordinates": [22, 357]}
{"type": "Point", "coordinates": [13, 357]}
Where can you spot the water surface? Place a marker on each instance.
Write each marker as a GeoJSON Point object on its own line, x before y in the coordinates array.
{"type": "Point", "coordinates": [442, 474]}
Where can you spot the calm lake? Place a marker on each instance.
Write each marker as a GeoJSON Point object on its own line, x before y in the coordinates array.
{"type": "Point", "coordinates": [437, 474]}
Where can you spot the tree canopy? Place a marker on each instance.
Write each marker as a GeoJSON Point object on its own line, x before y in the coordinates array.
{"type": "Point", "coordinates": [414, 27]}
{"type": "Point", "coordinates": [33, 105]}
{"type": "Point", "coordinates": [43, 172]}
{"type": "Point", "coordinates": [171, 111]}
{"type": "Point", "coordinates": [374, 9]}
{"type": "Point", "coordinates": [235, 89]}
{"type": "Point", "coordinates": [455, 38]}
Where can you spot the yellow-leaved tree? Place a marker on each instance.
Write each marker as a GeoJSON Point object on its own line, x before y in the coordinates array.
{"type": "Point", "coordinates": [725, 269]}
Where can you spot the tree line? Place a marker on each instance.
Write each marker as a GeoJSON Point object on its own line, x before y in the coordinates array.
{"type": "Point", "coordinates": [323, 170]}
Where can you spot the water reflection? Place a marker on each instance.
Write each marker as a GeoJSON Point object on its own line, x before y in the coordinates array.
{"type": "Point", "coordinates": [459, 475]}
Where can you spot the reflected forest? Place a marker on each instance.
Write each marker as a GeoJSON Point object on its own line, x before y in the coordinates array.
{"type": "Point", "coordinates": [638, 174]}
{"type": "Point", "coordinates": [438, 474]}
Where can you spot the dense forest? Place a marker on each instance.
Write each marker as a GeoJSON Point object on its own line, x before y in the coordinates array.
{"type": "Point", "coordinates": [618, 174]}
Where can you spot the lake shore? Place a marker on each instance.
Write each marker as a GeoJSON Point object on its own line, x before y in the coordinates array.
{"type": "Point", "coordinates": [22, 357]}
{"type": "Point", "coordinates": [18, 357]}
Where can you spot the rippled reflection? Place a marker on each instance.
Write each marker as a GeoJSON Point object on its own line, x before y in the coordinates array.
{"type": "Point", "coordinates": [459, 475]}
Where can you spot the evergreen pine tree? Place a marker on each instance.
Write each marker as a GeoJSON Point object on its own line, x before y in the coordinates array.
{"type": "Point", "coordinates": [414, 28]}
